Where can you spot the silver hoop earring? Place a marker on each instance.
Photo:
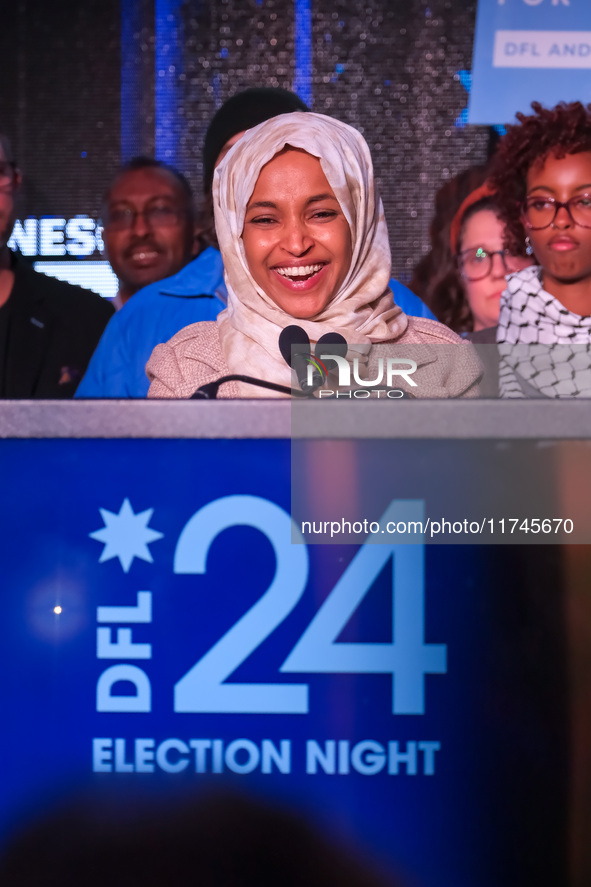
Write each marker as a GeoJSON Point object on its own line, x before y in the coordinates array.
{"type": "Point", "coordinates": [529, 250]}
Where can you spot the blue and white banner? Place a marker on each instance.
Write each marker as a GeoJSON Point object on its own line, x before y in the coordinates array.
{"type": "Point", "coordinates": [159, 629]}
{"type": "Point", "coordinates": [529, 50]}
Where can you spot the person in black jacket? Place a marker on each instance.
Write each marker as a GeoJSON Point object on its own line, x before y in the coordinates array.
{"type": "Point", "coordinates": [48, 328]}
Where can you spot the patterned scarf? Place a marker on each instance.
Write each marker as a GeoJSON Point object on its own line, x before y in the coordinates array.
{"type": "Point", "coordinates": [545, 349]}
{"type": "Point", "coordinates": [363, 309]}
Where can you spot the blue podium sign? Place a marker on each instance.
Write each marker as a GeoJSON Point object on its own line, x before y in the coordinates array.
{"type": "Point", "coordinates": [160, 627]}
{"type": "Point", "coordinates": [529, 50]}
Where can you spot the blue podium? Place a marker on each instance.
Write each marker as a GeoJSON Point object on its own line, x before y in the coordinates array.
{"type": "Point", "coordinates": [165, 624]}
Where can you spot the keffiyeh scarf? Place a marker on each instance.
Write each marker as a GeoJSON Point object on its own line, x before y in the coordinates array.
{"type": "Point", "coordinates": [545, 350]}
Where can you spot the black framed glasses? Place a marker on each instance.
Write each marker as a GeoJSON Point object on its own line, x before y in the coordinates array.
{"type": "Point", "coordinates": [157, 216]}
{"type": "Point", "coordinates": [7, 169]}
{"type": "Point", "coordinates": [540, 212]}
{"type": "Point", "coordinates": [477, 263]}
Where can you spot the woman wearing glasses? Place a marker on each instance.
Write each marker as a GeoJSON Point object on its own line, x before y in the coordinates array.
{"type": "Point", "coordinates": [468, 295]}
{"type": "Point", "coordinates": [542, 176]}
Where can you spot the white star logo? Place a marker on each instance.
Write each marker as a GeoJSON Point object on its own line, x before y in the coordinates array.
{"type": "Point", "coordinates": [126, 535]}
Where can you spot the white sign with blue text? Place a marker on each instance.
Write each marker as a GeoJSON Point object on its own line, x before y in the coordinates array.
{"type": "Point", "coordinates": [529, 50]}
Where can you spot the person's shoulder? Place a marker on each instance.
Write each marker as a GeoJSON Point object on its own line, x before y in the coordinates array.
{"type": "Point", "coordinates": [66, 296]}
{"type": "Point", "coordinates": [139, 309]}
{"type": "Point", "coordinates": [421, 330]}
{"type": "Point", "coordinates": [203, 333]}
{"type": "Point", "coordinates": [196, 342]}
{"type": "Point", "coordinates": [192, 357]}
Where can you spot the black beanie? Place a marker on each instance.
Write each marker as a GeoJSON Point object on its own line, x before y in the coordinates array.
{"type": "Point", "coordinates": [243, 111]}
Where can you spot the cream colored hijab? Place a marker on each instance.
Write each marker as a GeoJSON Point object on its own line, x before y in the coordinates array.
{"type": "Point", "coordinates": [363, 309]}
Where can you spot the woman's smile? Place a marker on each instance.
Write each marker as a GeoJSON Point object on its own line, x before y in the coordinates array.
{"type": "Point", "coordinates": [301, 278]}
{"type": "Point", "coordinates": [296, 238]}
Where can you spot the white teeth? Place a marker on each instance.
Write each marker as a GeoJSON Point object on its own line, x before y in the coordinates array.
{"type": "Point", "coordinates": [300, 270]}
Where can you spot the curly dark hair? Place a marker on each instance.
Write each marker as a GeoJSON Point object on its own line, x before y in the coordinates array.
{"type": "Point", "coordinates": [447, 299]}
{"type": "Point", "coordinates": [564, 129]}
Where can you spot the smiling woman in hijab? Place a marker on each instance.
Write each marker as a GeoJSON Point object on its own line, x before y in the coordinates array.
{"type": "Point", "coordinates": [304, 240]}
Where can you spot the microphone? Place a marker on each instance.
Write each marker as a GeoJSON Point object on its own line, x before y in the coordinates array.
{"type": "Point", "coordinates": [294, 344]}
{"type": "Point", "coordinates": [335, 344]}
{"type": "Point", "coordinates": [209, 391]}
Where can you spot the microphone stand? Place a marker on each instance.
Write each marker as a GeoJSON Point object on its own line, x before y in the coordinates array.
{"type": "Point", "coordinates": [210, 391]}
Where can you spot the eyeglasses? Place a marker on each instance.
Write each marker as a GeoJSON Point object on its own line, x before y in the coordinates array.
{"type": "Point", "coordinates": [154, 216]}
{"type": "Point", "coordinates": [477, 263]}
{"type": "Point", "coordinates": [6, 172]}
{"type": "Point", "coordinates": [540, 212]}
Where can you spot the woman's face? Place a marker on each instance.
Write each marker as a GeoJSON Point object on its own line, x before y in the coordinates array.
{"type": "Point", "coordinates": [563, 249]}
{"type": "Point", "coordinates": [296, 239]}
{"type": "Point", "coordinates": [483, 233]}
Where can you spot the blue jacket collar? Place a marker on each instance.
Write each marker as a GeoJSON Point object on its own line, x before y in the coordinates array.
{"type": "Point", "coordinates": [203, 276]}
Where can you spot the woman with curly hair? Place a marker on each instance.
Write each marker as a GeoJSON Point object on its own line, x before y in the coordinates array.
{"type": "Point", "coordinates": [542, 176]}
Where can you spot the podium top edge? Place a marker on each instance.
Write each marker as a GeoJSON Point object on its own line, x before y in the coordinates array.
{"type": "Point", "coordinates": [251, 419]}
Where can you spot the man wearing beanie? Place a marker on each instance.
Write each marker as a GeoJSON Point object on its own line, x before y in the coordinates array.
{"type": "Point", "coordinates": [197, 292]}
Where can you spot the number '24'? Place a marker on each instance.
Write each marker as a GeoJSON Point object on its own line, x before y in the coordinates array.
{"type": "Point", "coordinates": [407, 658]}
